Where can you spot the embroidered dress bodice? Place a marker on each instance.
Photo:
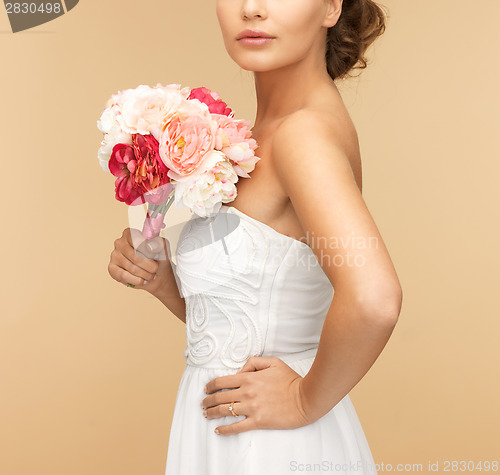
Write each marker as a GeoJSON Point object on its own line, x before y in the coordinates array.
{"type": "Point", "coordinates": [252, 292]}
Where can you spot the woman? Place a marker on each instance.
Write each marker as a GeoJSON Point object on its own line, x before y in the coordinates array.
{"type": "Point", "coordinates": [275, 353]}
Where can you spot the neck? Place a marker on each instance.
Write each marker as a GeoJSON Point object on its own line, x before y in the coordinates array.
{"type": "Point", "coordinates": [285, 90]}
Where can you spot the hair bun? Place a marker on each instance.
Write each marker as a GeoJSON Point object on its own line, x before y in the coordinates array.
{"type": "Point", "coordinates": [360, 23]}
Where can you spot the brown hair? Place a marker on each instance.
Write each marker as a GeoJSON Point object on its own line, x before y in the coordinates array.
{"type": "Point", "coordinates": [359, 24]}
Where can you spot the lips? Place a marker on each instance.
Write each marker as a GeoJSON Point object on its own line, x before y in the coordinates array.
{"type": "Point", "coordinates": [253, 34]}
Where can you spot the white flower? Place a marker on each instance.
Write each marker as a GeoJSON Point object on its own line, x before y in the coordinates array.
{"type": "Point", "coordinates": [243, 156]}
{"type": "Point", "coordinates": [107, 123]}
{"type": "Point", "coordinates": [190, 108]}
{"type": "Point", "coordinates": [142, 109]}
{"type": "Point", "coordinates": [176, 88]}
{"type": "Point", "coordinates": [205, 191]}
{"type": "Point", "coordinates": [112, 133]}
{"type": "Point", "coordinates": [104, 154]}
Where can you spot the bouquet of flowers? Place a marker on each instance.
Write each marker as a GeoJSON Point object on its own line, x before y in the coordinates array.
{"type": "Point", "coordinates": [167, 144]}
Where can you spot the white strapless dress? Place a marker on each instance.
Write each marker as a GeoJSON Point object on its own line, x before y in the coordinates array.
{"type": "Point", "coordinates": [256, 292]}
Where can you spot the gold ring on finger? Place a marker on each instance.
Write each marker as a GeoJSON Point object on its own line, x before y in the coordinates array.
{"type": "Point", "coordinates": [231, 406]}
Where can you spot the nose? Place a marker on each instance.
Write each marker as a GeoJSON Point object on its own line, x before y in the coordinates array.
{"type": "Point", "coordinates": [253, 8]}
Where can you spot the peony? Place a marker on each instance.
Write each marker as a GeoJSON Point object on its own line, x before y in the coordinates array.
{"type": "Point", "coordinates": [205, 191]}
{"type": "Point", "coordinates": [175, 89]}
{"type": "Point", "coordinates": [243, 158]}
{"type": "Point", "coordinates": [152, 172]}
{"type": "Point", "coordinates": [232, 131]}
{"type": "Point", "coordinates": [186, 109]}
{"type": "Point", "coordinates": [123, 164]}
{"type": "Point", "coordinates": [139, 170]}
{"type": "Point", "coordinates": [106, 148]}
{"type": "Point", "coordinates": [107, 123]}
{"type": "Point", "coordinates": [185, 141]}
{"type": "Point", "coordinates": [113, 134]}
{"type": "Point", "coordinates": [144, 108]}
{"type": "Point", "coordinates": [212, 100]}
{"type": "Point", "coordinates": [234, 139]}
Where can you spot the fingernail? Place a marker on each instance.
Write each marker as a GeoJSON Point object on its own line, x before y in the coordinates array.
{"type": "Point", "coordinates": [205, 413]}
{"type": "Point", "coordinates": [145, 282]}
{"type": "Point", "coordinates": [153, 246]}
{"type": "Point", "coordinates": [216, 431]}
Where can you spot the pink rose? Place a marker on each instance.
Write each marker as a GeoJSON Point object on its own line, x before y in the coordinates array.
{"type": "Point", "coordinates": [139, 171]}
{"type": "Point", "coordinates": [185, 141]}
{"type": "Point", "coordinates": [211, 99]}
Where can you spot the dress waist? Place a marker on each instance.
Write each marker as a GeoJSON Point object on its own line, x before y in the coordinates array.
{"type": "Point", "coordinates": [217, 363]}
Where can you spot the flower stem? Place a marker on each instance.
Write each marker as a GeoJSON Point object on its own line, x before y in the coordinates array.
{"type": "Point", "coordinates": [163, 208]}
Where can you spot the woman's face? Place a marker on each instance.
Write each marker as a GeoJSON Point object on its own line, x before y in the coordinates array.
{"type": "Point", "coordinates": [298, 28]}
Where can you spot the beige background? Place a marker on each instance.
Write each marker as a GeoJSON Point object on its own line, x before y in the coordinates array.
{"type": "Point", "coordinates": [89, 368]}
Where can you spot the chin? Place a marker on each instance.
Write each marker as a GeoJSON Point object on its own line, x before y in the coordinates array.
{"type": "Point", "coordinates": [255, 68]}
{"type": "Point", "coordinates": [255, 62]}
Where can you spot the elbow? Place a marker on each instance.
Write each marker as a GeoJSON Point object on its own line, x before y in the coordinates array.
{"type": "Point", "coordinates": [381, 306]}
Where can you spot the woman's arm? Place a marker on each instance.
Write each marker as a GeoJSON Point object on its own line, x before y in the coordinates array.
{"type": "Point", "coordinates": [165, 287]}
{"type": "Point", "coordinates": [147, 265]}
{"type": "Point", "coordinates": [315, 172]}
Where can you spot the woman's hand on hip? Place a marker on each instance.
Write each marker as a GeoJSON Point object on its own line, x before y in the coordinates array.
{"type": "Point", "coordinates": [265, 390]}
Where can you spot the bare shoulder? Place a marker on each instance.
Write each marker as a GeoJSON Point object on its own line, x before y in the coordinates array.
{"type": "Point", "coordinates": [319, 138]}
{"type": "Point", "coordinates": [321, 118]}
{"type": "Point", "coordinates": [316, 137]}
